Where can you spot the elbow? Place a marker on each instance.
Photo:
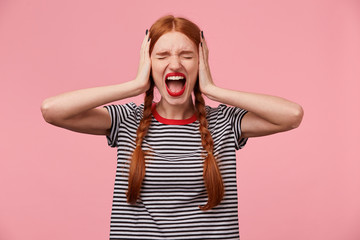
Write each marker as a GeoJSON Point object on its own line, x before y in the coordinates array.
{"type": "Point", "coordinates": [295, 117]}
{"type": "Point", "coordinates": [47, 111]}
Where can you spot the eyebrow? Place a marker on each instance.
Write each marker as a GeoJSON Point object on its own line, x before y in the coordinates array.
{"type": "Point", "coordinates": [163, 53]}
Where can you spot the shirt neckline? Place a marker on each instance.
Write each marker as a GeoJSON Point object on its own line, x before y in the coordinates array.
{"type": "Point", "coordinates": [167, 121]}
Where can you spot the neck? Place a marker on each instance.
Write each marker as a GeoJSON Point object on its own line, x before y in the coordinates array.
{"type": "Point", "coordinates": [179, 112]}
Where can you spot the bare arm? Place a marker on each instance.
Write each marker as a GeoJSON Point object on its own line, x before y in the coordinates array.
{"type": "Point", "coordinates": [266, 114]}
{"type": "Point", "coordinates": [80, 110]}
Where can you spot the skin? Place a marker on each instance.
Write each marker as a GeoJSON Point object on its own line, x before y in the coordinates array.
{"type": "Point", "coordinates": [175, 52]}
{"type": "Point", "coordinates": [266, 114]}
{"type": "Point", "coordinates": [80, 110]}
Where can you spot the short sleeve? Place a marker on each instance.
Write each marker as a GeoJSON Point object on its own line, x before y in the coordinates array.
{"type": "Point", "coordinates": [118, 115]}
{"type": "Point", "coordinates": [234, 115]}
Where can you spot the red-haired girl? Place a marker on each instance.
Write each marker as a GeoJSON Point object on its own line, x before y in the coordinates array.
{"type": "Point", "coordinates": [176, 172]}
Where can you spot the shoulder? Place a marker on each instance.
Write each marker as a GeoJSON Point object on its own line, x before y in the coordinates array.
{"type": "Point", "coordinates": [224, 114]}
{"type": "Point", "coordinates": [216, 111]}
{"type": "Point", "coordinates": [215, 115]}
{"type": "Point", "coordinates": [126, 111]}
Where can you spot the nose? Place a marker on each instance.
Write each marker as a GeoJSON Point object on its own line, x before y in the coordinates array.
{"type": "Point", "coordinates": [174, 63]}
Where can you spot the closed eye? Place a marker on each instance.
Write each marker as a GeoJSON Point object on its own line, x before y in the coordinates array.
{"type": "Point", "coordinates": [162, 55]}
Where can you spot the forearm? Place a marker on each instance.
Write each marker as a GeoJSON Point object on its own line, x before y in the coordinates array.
{"type": "Point", "coordinates": [275, 110]}
{"type": "Point", "coordinates": [267, 114]}
{"type": "Point", "coordinates": [70, 104]}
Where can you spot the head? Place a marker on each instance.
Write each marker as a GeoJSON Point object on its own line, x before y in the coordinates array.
{"type": "Point", "coordinates": [174, 58]}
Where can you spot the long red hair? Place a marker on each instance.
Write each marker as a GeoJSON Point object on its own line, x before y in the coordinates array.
{"type": "Point", "coordinates": [211, 173]}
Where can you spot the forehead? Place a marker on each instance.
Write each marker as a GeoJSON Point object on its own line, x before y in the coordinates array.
{"type": "Point", "coordinates": [174, 42]}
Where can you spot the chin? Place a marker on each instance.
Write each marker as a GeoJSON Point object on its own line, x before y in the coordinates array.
{"type": "Point", "coordinates": [181, 100]}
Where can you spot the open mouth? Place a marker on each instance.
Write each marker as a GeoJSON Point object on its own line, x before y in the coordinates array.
{"type": "Point", "coordinates": [175, 83]}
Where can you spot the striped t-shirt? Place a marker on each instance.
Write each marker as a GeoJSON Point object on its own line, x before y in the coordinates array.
{"type": "Point", "coordinates": [173, 188]}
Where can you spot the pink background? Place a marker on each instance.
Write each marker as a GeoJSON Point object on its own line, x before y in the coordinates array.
{"type": "Point", "coordinates": [299, 185]}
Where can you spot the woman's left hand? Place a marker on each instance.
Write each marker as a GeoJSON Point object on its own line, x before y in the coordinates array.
{"type": "Point", "coordinates": [266, 114]}
{"type": "Point", "coordinates": [205, 80]}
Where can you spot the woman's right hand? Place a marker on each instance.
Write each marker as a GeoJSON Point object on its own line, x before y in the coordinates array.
{"type": "Point", "coordinates": [81, 110]}
{"type": "Point", "coordinates": [143, 74]}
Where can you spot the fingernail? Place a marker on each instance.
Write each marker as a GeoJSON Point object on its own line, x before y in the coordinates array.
{"type": "Point", "coordinates": [202, 34]}
{"type": "Point", "coordinates": [146, 32]}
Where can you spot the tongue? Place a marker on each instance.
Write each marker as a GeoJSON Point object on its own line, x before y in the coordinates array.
{"type": "Point", "coordinates": [175, 86]}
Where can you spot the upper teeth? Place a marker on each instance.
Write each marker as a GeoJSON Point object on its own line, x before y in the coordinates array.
{"type": "Point", "coordinates": [175, 77]}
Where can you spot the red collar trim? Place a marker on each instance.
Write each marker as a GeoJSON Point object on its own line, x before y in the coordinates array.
{"type": "Point", "coordinates": [171, 121]}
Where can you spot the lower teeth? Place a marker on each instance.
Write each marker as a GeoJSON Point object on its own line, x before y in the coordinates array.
{"type": "Point", "coordinates": [175, 86]}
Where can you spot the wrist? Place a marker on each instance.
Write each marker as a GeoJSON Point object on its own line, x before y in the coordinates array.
{"type": "Point", "coordinates": [140, 86]}
{"type": "Point", "coordinates": [210, 91]}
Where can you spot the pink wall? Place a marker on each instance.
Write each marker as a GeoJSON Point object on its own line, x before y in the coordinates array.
{"type": "Point", "coordinates": [299, 185]}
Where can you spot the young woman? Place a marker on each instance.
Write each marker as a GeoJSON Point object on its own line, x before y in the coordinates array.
{"type": "Point", "coordinates": [176, 173]}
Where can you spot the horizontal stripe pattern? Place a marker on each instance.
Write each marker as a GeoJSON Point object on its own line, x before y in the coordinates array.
{"type": "Point", "coordinates": [173, 188]}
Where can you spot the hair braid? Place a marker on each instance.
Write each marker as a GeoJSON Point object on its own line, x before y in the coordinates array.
{"type": "Point", "coordinates": [137, 162]}
{"type": "Point", "coordinates": [211, 173]}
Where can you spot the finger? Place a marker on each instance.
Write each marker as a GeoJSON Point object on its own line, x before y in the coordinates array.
{"type": "Point", "coordinates": [145, 40]}
{"type": "Point", "coordinates": [206, 50]}
{"type": "Point", "coordinates": [201, 49]}
{"type": "Point", "coordinates": [144, 52]}
{"type": "Point", "coordinates": [201, 54]}
{"type": "Point", "coordinates": [147, 48]}
{"type": "Point", "coordinates": [204, 45]}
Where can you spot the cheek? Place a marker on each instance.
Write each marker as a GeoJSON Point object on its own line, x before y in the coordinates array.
{"type": "Point", "coordinates": [193, 68]}
{"type": "Point", "coordinates": [157, 71]}
{"type": "Point", "coordinates": [155, 67]}
{"type": "Point", "coordinates": [158, 65]}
